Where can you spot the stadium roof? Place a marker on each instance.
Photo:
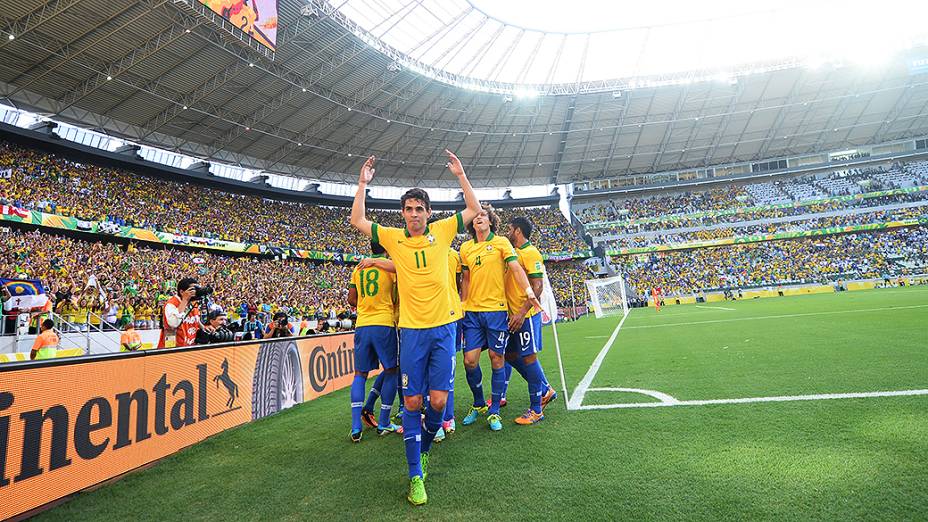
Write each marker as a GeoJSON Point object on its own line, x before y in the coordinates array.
{"type": "Point", "coordinates": [162, 73]}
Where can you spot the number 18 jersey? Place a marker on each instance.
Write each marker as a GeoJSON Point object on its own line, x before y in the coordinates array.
{"type": "Point", "coordinates": [375, 296]}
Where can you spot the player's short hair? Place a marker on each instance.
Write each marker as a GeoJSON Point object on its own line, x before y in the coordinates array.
{"type": "Point", "coordinates": [523, 224]}
{"type": "Point", "coordinates": [377, 249]}
{"type": "Point", "coordinates": [416, 193]}
{"type": "Point", "coordinates": [491, 214]}
{"type": "Point", "coordinates": [48, 324]}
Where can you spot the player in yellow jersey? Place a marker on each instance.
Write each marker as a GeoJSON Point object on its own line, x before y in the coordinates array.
{"type": "Point", "coordinates": [486, 259]}
{"type": "Point", "coordinates": [371, 292]}
{"type": "Point", "coordinates": [420, 253]}
{"type": "Point", "coordinates": [525, 323]}
{"type": "Point", "coordinates": [454, 284]}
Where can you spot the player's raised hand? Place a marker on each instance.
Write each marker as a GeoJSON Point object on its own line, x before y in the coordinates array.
{"type": "Point", "coordinates": [367, 171]}
{"type": "Point", "coordinates": [454, 164]}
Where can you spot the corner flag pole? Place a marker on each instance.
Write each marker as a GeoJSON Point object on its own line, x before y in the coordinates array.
{"type": "Point", "coordinates": [549, 303]}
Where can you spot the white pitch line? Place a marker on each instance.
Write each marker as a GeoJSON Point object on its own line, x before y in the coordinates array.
{"type": "Point", "coordinates": [596, 337]}
{"type": "Point", "coordinates": [715, 308]}
{"type": "Point", "coordinates": [784, 316]}
{"type": "Point", "coordinates": [577, 399]}
{"type": "Point", "coordinates": [781, 398]}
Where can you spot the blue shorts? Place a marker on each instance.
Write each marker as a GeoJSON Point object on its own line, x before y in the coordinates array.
{"type": "Point", "coordinates": [486, 330]}
{"type": "Point", "coordinates": [373, 346]}
{"type": "Point", "coordinates": [527, 340]}
{"type": "Point", "coordinates": [427, 359]}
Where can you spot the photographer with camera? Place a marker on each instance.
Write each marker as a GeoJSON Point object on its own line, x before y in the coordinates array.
{"type": "Point", "coordinates": [180, 318]}
{"type": "Point", "coordinates": [279, 327]}
{"type": "Point", "coordinates": [215, 331]}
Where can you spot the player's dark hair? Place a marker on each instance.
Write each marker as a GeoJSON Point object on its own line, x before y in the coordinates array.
{"type": "Point", "coordinates": [523, 224]}
{"type": "Point", "coordinates": [377, 249]}
{"type": "Point", "coordinates": [491, 215]}
{"type": "Point", "coordinates": [48, 324]}
{"type": "Point", "coordinates": [416, 193]}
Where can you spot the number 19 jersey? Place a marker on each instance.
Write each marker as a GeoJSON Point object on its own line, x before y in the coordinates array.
{"type": "Point", "coordinates": [422, 271]}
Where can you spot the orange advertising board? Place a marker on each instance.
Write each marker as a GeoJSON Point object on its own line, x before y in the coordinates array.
{"type": "Point", "coordinates": [69, 424]}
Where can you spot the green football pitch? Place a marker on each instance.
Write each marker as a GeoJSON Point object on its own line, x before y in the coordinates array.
{"type": "Point", "coordinates": [699, 455]}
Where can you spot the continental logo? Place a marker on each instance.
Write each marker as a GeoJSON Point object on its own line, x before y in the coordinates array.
{"type": "Point", "coordinates": [168, 406]}
{"type": "Point", "coordinates": [325, 366]}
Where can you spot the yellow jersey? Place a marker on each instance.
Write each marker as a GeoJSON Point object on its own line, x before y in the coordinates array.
{"type": "Point", "coordinates": [487, 262]}
{"type": "Point", "coordinates": [454, 269]}
{"type": "Point", "coordinates": [534, 266]}
{"type": "Point", "coordinates": [375, 296]}
{"type": "Point", "coordinates": [422, 270]}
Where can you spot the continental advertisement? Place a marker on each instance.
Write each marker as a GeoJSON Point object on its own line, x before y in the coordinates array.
{"type": "Point", "coordinates": [759, 208]}
{"type": "Point", "coordinates": [759, 238]}
{"type": "Point", "coordinates": [67, 425]}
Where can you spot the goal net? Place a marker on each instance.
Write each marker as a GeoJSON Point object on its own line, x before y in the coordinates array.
{"type": "Point", "coordinates": [607, 296]}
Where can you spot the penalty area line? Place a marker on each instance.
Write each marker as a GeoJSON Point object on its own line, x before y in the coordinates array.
{"type": "Point", "coordinates": [667, 400]}
{"type": "Point", "coordinates": [715, 308]}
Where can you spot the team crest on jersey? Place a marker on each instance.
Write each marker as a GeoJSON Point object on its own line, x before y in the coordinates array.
{"type": "Point", "coordinates": [431, 238]}
{"type": "Point", "coordinates": [489, 248]}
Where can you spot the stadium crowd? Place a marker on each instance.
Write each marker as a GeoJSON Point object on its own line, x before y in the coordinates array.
{"type": "Point", "coordinates": [113, 281]}
{"type": "Point", "coordinates": [93, 282]}
{"type": "Point", "coordinates": [38, 180]}
{"type": "Point", "coordinates": [734, 197]}
{"type": "Point", "coordinates": [807, 260]}
{"type": "Point", "coordinates": [672, 236]}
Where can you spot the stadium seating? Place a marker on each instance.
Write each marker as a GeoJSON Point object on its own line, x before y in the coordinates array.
{"type": "Point", "coordinates": [792, 190]}
{"type": "Point", "coordinates": [808, 260]}
{"type": "Point", "coordinates": [47, 182]}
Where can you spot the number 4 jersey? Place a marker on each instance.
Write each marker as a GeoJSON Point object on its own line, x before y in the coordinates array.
{"type": "Point", "coordinates": [375, 296]}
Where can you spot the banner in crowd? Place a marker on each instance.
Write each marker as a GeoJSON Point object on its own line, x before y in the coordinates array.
{"type": "Point", "coordinates": [758, 238]}
{"type": "Point", "coordinates": [566, 256]}
{"type": "Point", "coordinates": [25, 294]}
{"type": "Point", "coordinates": [69, 424]}
{"type": "Point", "coordinates": [758, 208]}
{"type": "Point", "coordinates": [45, 219]}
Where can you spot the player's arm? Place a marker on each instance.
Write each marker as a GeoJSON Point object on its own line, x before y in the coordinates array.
{"type": "Point", "coordinates": [519, 273]}
{"type": "Point", "coordinates": [515, 322]}
{"type": "Point", "coordinates": [386, 265]}
{"type": "Point", "coordinates": [470, 197]}
{"type": "Point", "coordinates": [358, 210]}
{"type": "Point", "coordinates": [353, 296]}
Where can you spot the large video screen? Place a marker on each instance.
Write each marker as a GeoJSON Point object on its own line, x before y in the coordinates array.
{"type": "Point", "coordinates": [258, 18]}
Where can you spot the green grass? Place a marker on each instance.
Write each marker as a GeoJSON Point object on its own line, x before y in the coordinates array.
{"type": "Point", "coordinates": [827, 460]}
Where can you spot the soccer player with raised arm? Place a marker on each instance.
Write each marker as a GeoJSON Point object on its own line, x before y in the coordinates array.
{"type": "Point", "coordinates": [525, 323]}
{"type": "Point", "coordinates": [485, 261]}
{"type": "Point", "coordinates": [420, 254]}
{"type": "Point", "coordinates": [371, 292]}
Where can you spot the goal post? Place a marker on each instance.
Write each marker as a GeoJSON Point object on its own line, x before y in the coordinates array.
{"type": "Point", "coordinates": [608, 296]}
